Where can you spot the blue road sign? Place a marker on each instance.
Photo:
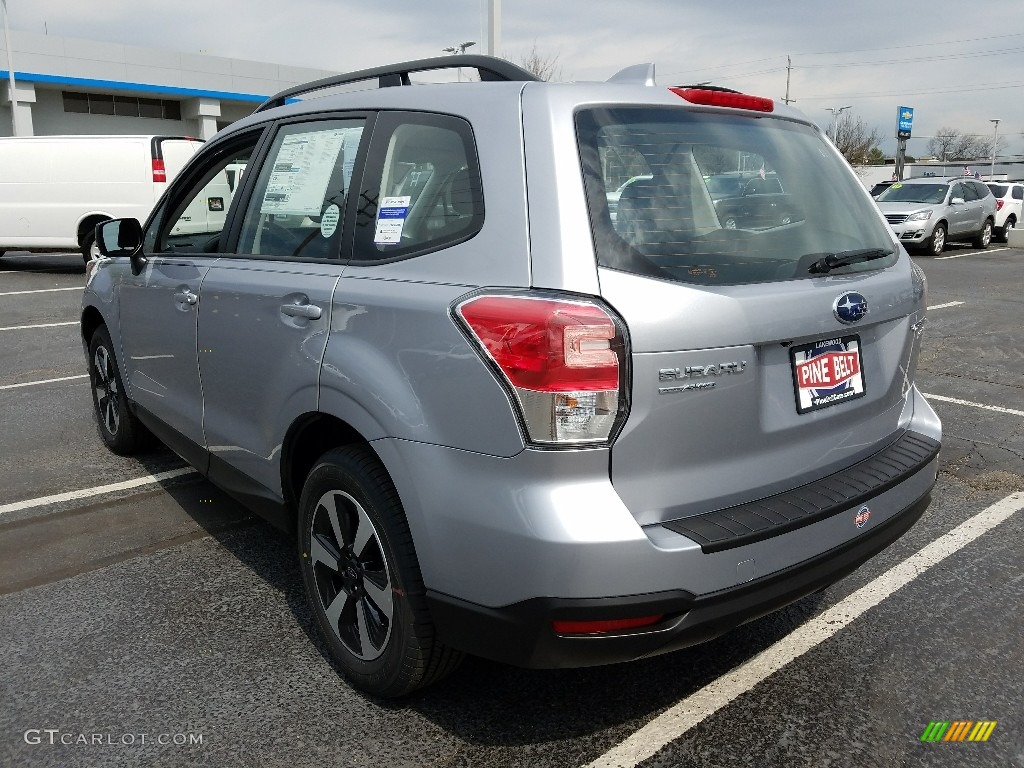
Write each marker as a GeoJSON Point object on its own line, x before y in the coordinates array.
{"type": "Point", "coordinates": [904, 122]}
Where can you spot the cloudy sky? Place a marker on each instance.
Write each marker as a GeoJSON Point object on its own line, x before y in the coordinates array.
{"type": "Point", "coordinates": [958, 64]}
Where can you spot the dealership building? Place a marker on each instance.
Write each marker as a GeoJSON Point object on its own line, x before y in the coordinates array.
{"type": "Point", "coordinates": [65, 85]}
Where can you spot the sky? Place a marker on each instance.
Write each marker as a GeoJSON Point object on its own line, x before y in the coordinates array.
{"type": "Point", "coordinates": [958, 65]}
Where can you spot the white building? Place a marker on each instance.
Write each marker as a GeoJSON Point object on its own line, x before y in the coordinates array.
{"type": "Point", "coordinates": [65, 85]}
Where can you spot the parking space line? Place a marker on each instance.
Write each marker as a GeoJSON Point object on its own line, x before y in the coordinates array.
{"type": "Point", "coordinates": [694, 709]}
{"type": "Point", "coordinates": [98, 490]}
{"type": "Point", "coordinates": [40, 325]}
{"type": "Point", "coordinates": [957, 401]}
{"type": "Point", "coordinates": [944, 306]}
{"type": "Point", "coordinates": [41, 290]}
{"type": "Point", "coordinates": [970, 253]}
{"type": "Point", "coordinates": [44, 381]}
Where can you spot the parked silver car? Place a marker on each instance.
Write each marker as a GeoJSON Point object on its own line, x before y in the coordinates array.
{"type": "Point", "coordinates": [495, 421]}
{"type": "Point", "coordinates": [928, 212]}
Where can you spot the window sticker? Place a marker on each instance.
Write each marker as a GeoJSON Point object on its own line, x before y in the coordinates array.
{"type": "Point", "coordinates": [391, 220]}
{"type": "Point", "coordinates": [329, 221]}
{"type": "Point", "coordinates": [302, 170]}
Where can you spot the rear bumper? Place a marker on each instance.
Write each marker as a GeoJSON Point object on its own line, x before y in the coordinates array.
{"type": "Point", "coordinates": [521, 634]}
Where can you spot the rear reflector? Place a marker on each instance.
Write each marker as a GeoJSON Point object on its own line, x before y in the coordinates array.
{"type": "Point", "coordinates": [159, 172]}
{"type": "Point", "coordinates": [725, 99]}
{"type": "Point", "coordinates": [561, 358]}
{"type": "Point", "coordinates": [607, 625]}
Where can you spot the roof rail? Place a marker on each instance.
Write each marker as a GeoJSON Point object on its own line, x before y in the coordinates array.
{"type": "Point", "coordinates": [490, 68]}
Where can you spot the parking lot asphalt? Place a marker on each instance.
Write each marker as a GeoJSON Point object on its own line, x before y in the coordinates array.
{"type": "Point", "coordinates": [160, 623]}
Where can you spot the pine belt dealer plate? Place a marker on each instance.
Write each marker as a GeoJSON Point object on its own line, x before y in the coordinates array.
{"type": "Point", "coordinates": [827, 372]}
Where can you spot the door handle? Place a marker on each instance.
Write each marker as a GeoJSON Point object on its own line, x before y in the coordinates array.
{"type": "Point", "coordinates": [308, 311]}
{"type": "Point", "coordinates": [186, 296]}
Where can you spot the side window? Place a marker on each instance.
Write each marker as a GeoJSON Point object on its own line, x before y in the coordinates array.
{"type": "Point", "coordinates": [1018, 193]}
{"type": "Point", "coordinates": [957, 191]}
{"type": "Point", "coordinates": [298, 204]}
{"type": "Point", "coordinates": [970, 192]}
{"type": "Point", "coordinates": [192, 216]}
{"type": "Point", "coordinates": [421, 189]}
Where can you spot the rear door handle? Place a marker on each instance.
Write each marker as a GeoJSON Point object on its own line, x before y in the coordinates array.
{"type": "Point", "coordinates": [186, 296]}
{"type": "Point", "coordinates": [308, 311]}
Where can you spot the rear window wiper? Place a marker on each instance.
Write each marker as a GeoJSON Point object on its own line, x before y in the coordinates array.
{"type": "Point", "coordinates": [831, 261]}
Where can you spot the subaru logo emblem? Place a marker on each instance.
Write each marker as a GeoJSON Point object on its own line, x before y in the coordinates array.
{"type": "Point", "coordinates": [850, 307]}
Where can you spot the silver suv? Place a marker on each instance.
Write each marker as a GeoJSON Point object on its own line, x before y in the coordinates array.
{"type": "Point", "coordinates": [928, 212]}
{"type": "Point", "coordinates": [496, 421]}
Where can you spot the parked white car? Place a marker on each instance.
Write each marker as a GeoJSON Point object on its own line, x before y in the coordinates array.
{"type": "Point", "coordinates": [1009, 207]}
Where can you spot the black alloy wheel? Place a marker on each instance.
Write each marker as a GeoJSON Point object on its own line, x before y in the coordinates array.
{"type": "Point", "coordinates": [118, 426]}
{"type": "Point", "coordinates": [362, 577]}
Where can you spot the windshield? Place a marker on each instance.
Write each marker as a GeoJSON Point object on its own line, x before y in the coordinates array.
{"type": "Point", "coordinates": [930, 194]}
{"type": "Point", "coordinates": [722, 199]}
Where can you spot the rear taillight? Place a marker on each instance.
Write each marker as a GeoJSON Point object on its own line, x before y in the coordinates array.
{"type": "Point", "coordinates": [159, 172]}
{"type": "Point", "coordinates": [562, 359]}
{"type": "Point", "coordinates": [719, 98]}
{"type": "Point", "coordinates": [999, 205]}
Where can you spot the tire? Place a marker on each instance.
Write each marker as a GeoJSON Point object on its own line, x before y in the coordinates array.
{"type": "Point", "coordinates": [118, 427]}
{"type": "Point", "coordinates": [88, 246]}
{"type": "Point", "coordinates": [937, 242]}
{"type": "Point", "coordinates": [985, 236]}
{"type": "Point", "coordinates": [362, 578]}
{"type": "Point", "coordinates": [1008, 226]}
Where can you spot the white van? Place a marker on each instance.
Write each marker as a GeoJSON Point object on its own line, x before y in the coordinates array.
{"type": "Point", "coordinates": [54, 190]}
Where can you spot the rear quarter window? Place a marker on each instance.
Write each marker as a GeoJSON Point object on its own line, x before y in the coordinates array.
{"type": "Point", "coordinates": [421, 189]}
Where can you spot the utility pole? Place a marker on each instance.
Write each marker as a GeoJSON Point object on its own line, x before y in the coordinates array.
{"type": "Point", "coordinates": [789, 68]}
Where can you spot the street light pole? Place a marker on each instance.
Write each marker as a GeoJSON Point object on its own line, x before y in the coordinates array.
{"type": "Point", "coordinates": [995, 140]}
{"type": "Point", "coordinates": [836, 111]}
{"type": "Point", "coordinates": [460, 49]}
{"type": "Point", "coordinates": [493, 27]}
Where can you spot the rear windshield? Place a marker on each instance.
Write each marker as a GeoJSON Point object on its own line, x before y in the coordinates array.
{"type": "Point", "coordinates": [703, 197]}
{"type": "Point", "coordinates": [999, 190]}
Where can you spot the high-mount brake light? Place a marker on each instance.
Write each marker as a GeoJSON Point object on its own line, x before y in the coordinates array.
{"type": "Point", "coordinates": [562, 359]}
{"type": "Point", "coordinates": [159, 171]}
{"type": "Point", "coordinates": [725, 99]}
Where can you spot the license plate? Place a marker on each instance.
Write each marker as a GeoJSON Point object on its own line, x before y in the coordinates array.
{"type": "Point", "coordinates": [827, 372]}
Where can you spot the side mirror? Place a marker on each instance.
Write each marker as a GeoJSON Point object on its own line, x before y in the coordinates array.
{"type": "Point", "coordinates": [957, 201]}
{"type": "Point", "coordinates": [122, 238]}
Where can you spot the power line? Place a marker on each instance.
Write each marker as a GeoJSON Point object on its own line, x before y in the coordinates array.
{"type": "Point", "coordinates": [916, 45]}
{"type": "Point", "coordinates": [926, 92]}
{"type": "Point", "coordinates": [943, 57]}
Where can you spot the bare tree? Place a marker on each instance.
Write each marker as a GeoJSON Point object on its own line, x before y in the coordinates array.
{"type": "Point", "coordinates": [853, 138]}
{"type": "Point", "coordinates": [951, 144]}
{"type": "Point", "coordinates": [544, 66]}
